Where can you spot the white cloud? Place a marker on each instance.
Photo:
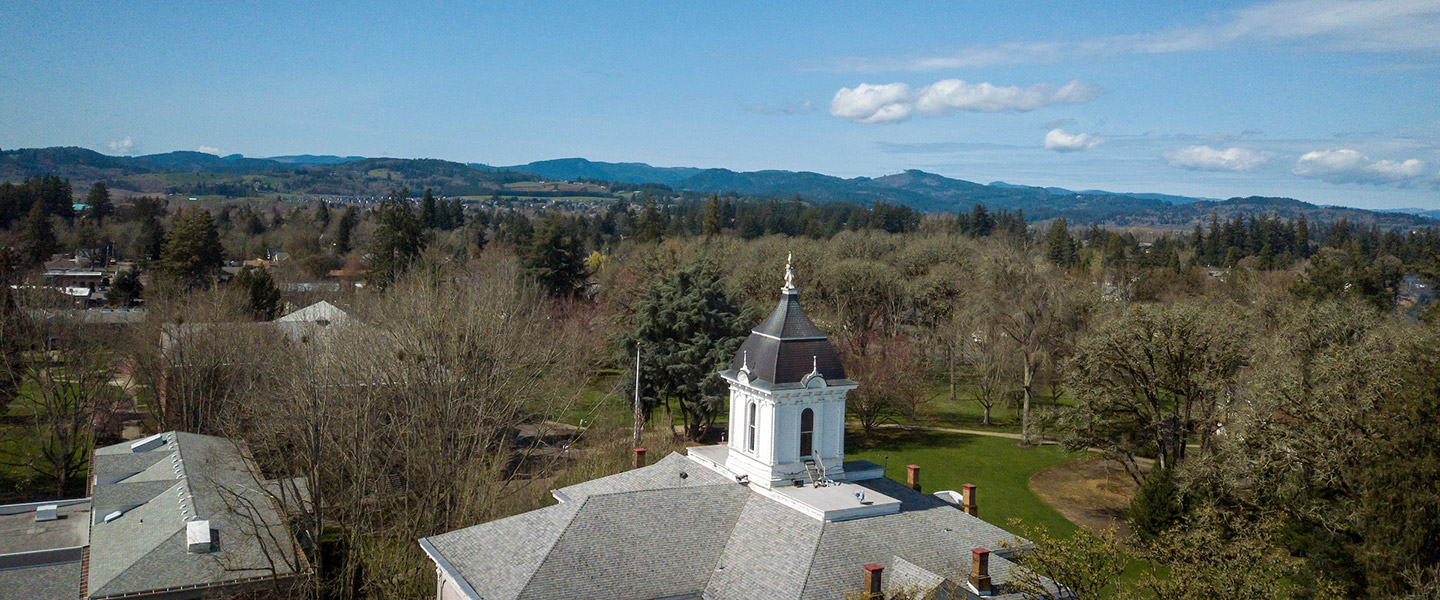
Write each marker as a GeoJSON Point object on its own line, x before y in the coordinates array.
{"type": "Point", "coordinates": [121, 146]}
{"type": "Point", "coordinates": [1205, 158]}
{"type": "Point", "coordinates": [893, 102]}
{"type": "Point", "coordinates": [886, 103]}
{"type": "Point", "coordinates": [954, 94]}
{"type": "Point", "coordinates": [1324, 25]}
{"type": "Point", "coordinates": [209, 150]}
{"type": "Point", "coordinates": [1061, 141]}
{"type": "Point", "coordinates": [1350, 166]}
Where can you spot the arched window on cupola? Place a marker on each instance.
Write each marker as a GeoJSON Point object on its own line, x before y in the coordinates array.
{"type": "Point", "coordinates": [750, 429]}
{"type": "Point", "coordinates": [807, 432]}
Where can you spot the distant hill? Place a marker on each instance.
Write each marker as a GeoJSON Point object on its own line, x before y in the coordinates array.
{"type": "Point", "coordinates": [313, 159]}
{"type": "Point", "coordinates": [325, 175]}
{"type": "Point", "coordinates": [572, 169]}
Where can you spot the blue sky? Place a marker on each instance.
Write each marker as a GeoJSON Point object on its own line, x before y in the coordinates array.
{"type": "Point", "coordinates": [1330, 101]}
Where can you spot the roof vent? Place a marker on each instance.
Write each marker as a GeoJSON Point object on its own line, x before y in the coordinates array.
{"type": "Point", "coordinates": [115, 514]}
{"type": "Point", "coordinates": [197, 537]}
{"type": "Point", "coordinates": [46, 512]}
{"type": "Point", "coordinates": [147, 444]}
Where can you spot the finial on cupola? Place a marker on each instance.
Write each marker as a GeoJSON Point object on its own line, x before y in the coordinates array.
{"type": "Point", "coordinates": [789, 274]}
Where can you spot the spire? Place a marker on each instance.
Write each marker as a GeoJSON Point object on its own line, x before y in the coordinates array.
{"type": "Point", "coordinates": [789, 274]}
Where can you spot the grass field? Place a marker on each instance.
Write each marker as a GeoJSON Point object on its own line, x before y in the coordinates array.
{"type": "Point", "coordinates": [966, 413]}
{"type": "Point", "coordinates": [950, 460]}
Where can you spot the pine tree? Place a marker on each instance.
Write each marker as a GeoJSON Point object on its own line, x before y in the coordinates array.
{"type": "Point", "coordinates": [457, 215]}
{"type": "Point", "coordinates": [554, 258]}
{"type": "Point", "coordinates": [322, 215]}
{"type": "Point", "coordinates": [1059, 248]}
{"type": "Point", "coordinates": [688, 327]}
{"type": "Point", "coordinates": [397, 241]}
{"type": "Point", "coordinates": [1156, 505]}
{"type": "Point", "coordinates": [259, 287]}
{"type": "Point", "coordinates": [192, 252]}
{"type": "Point", "coordinates": [429, 214]}
{"type": "Point", "coordinates": [99, 202]}
{"type": "Point", "coordinates": [345, 230]}
{"type": "Point", "coordinates": [38, 237]}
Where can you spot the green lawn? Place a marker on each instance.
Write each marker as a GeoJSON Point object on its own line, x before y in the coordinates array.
{"type": "Point", "coordinates": [966, 413]}
{"type": "Point", "coordinates": [949, 460]}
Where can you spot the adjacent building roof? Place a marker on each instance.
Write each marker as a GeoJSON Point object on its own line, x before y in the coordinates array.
{"type": "Point", "coordinates": [679, 529]}
{"type": "Point", "coordinates": [146, 492]}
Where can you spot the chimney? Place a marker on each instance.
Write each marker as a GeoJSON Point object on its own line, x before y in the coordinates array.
{"type": "Point", "coordinates": [639, 458]}
{"type": "Point", "coordinates": [912, 477]}
{"type": "Point", "coordinates": [967, 496]}
{"type": "Point", "coordinates": [872, 582]}
{"type": "Point", "coordinates": [980, 571]}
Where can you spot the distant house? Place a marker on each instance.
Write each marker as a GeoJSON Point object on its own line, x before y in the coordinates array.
{"type": "Point", "coordinates": [173, 516]}
{"type": "Point", "coordinates": [778, 513]}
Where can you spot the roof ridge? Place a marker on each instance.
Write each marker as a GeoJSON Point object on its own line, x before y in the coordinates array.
{"type": "Point", "coordinates": [579, 504]}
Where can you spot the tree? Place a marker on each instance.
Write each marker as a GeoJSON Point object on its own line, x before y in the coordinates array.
{"type": "Point", "coordinates": [322, 215]}
{"type": "Point", "coordinates": [1059, 246]}
{"type": "Point", "coordinates": [345, 230]}
{"type": "Point", "coordinates": [555, 259]}
{"type": "Point", "coordinates": [429, 212]}
{"type": "Point", "coordinates": [991, 355]}
{"type": "Point", "coordinates": [259, 288]}
{"type": "Point", "coordinates": [1149, 379]}
{"type": "Point", "coordinates": [1156, 506]}
{"type": "Point", "coordinates": [69, 394]}
{"type": "Point", "coordinates": [192, 252]}
{"type": "Point", "coordinates": [887, 365]}
{"type": "Point", "coordinates": [687, 328]}
{"type": "Point", "coordinates": [38, 237]}
{"type": "Point", "coordinates": [1083, 564]}
{"type": "Point", "coordinates": [99, 202]}
{"type": "Point", "coordinates": [126, 289]}
{"type": "Point", "coordinates": [1027, 305]}
{"type": "Point", "coordinates": [397, 240]}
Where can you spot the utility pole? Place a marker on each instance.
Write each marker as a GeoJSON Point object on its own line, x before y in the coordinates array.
{"type": "Point", "coordinates": [639, 416]}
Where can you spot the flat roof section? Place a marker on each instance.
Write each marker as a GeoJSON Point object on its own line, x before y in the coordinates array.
{"type": "Point", "coordinates": [20, 532]}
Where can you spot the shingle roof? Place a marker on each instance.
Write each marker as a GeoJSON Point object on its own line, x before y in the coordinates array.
{"type": "Point", "coordinates": [787, 346]}
{"type": "Point", "coordinates": [647, 534]}
{"type": "Point", "coordinates": [56, 581]}
{"type": "Point", "coordinates": [189, 476]}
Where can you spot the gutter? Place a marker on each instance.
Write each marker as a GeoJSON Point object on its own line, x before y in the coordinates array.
{"type": "Point", "coordinates": [449, 569]}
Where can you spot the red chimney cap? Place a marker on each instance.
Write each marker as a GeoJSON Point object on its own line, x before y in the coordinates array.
{"type": "Point", "coordinates": [872, 567]}
{"type": "Point", "coordinates": [979, 551]}
{"type": "Point", "coordinates": [639, 451]}
{"type": "Point", "coordinates": [912, 467]}
{"type": "Point", "coordinates": [968, 486]}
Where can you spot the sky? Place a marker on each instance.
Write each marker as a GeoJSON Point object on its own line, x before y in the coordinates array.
{"type": "Point", "coordinates": [1328, 101]}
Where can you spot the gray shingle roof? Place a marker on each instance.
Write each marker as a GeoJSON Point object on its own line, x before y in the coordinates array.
{"type": "Point", "coordinates": [56, 581]}
{"type": "Point", "coordinates": [647, 534]}
{"type": "Point", "coordinates": [145, 548]}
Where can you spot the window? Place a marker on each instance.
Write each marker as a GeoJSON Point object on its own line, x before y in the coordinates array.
{"type": "Point", "coordinates": [750, 430]}
{"type": "Point", "coordinates": [807, 432]}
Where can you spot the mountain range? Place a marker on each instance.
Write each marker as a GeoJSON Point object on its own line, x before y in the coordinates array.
{"type": "Point", "coordinates": [196, 173]}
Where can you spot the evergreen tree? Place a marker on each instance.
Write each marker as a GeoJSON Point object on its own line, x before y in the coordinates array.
{"type": "Point", "coordinates": [457, 215]}
{"type": "Point", "coordinates": [397, 240]}
{"type": "Point", "coordinates": [688, 327]}
{"type": "Point", "coordinates": [345, 230]}
{"type": "Point", "coordinates": [192, 252]}
{"type": "Point", "coordinates": [554, 258]}
{"type": "Point", "coordinates": [981, 224]}
{"type": "Point", "coordinates": [322, 215]}
{"type": "Point", "coordinates": [99, 202]}
{"type": "Point", "coordinates": [152, 240]}
{"type": "Point", "coordinates": [1156, 505]}
{"type": "Point", "coordinates": [429, 212]}
{"type": "Point", "coordinates": [126, 289]}
{"type": "Point", "coordinates": [38, 237]}
{"type": "Point", "coordinates": [259, 287]}
{"type": "Point", "coordinates": [1059, 247]}
{"type": "Point", "coordinates": [714, 217]}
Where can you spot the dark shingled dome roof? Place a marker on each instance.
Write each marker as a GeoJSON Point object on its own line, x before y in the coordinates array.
{"type": "Point", "coordinates": [787, 345]}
